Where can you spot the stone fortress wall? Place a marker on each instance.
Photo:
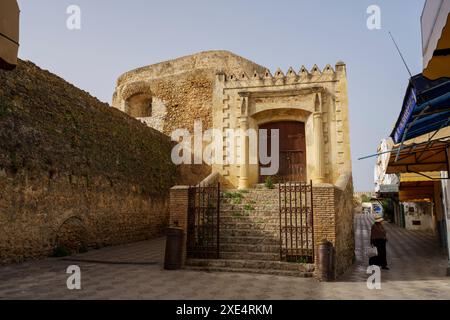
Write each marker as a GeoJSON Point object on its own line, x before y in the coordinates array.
{"type": "Point", "coordinates": [74, 172]}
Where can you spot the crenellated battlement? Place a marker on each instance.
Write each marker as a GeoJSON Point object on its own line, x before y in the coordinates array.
{"type": "Point", "coordinates": [315, 74]}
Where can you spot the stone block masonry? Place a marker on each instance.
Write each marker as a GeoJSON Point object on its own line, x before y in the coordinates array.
{"type": "Point", "coordinates": [74, 172]}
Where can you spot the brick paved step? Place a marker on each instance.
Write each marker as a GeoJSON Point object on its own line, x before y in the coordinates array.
{"type": "Point", "coordinates": [275, 272]}
{"type": "Point", "coordinates": [243, 248]}
{"type": "Point", "coordinates": [225, 233]}
{"type": "Point", "coordinates": [261, 256]}
{"type": "Point", "coordinates": [229, 219]}
{"type": "Point", "coordinates": [249, 240]}
{"type": "Point", "coordinates": [250, 226]}
{"type": "Point", "coordinates": [268, 204]}
{"type": "Point", "coordinates": [258, 265]}
{"type": "Point", "coordinates": [259, 221]}
{"type": "Point", "coordinates": [236, 213]}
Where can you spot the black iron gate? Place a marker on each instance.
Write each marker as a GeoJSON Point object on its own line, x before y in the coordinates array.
{"type": "Point", "coordinates": [296, 222]}
{"type": "Point", "coordinates": [204, 222]}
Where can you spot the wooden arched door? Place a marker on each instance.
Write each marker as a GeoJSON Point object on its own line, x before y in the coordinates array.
{"type": "Point", "coordinates": [292, 150]}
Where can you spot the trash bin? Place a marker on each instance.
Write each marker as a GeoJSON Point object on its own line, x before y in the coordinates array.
{"type": "Point", "coordinates": [326, 260]}
{"type": "Point", "coordinates": [174, 249]}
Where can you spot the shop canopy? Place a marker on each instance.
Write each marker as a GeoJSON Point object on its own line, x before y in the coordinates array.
{"type": "Point", "coordinates": [416, 191]}
{"type": "Point", "coordinates": [427, 156]}
{"type": "Point", "coordinates": [9, 33]}
{"type": "Point", "coordinates": [418, 187]}
{"type": "Point", "coordinates": [435, 23]}
{"type": "Point", "coordinates": [426, 108]}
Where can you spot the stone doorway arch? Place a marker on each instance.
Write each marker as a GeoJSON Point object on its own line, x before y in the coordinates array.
{"type": "Point", "coordinates": [72, 237]}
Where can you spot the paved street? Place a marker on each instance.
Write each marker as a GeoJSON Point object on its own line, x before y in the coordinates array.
{"type": "Point", "coordinates": [135, 272]}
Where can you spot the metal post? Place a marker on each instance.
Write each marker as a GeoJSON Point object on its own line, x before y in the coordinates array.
{"type": "Point", "coordinates": [279, 204]}
{"type": "Point", "coordinates": [312, 221]}
{"type": "Point", "coordinates": [218, 220]}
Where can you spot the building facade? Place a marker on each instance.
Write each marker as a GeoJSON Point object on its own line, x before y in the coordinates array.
{"type": "Point", "coordinates": [225, 91]}
{"type": "Point", "coordinates": [247, 109]}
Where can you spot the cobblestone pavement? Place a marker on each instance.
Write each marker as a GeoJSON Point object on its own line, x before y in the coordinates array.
{"type": "Point", "coordinates": [135, 271]}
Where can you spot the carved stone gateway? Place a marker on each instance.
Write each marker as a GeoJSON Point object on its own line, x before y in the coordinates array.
{"type": "Point", "coordinates": [316, 99]}
{"type": "Point", "coordinates": [258, 227]}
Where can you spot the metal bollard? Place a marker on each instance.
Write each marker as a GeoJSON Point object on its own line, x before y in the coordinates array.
{"type": "Point", "coordinates": [325, 260]}
{"type": "Point", "coordinates": [174, 249]}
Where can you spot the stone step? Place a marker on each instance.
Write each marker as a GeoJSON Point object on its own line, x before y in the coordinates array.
{"type": "Point", "coordinates": [249, 240]}
{"type": "Point", "coordinates": [252, 206]}
{"type": "Point", "coordinates": [249, 213]}
{"type": "Point", "coordinates": [250, 226]}
{"type": "Point", "coordinates": [256, 221]}
{"type": "Point", "coordinates": [251, 264]}
{"type": "Point", "coordinates": [245, 248]}
{"type": "Point", "coordinates": [260, 256]}
{"type": "Point", "coordinates": [248, 219]}
{"type": "Point", "coordinates": [275, 272]}
{"type": "Point", "coordinates": [225, 233]}
{"type": "Point", "coordinates": [268, 247]}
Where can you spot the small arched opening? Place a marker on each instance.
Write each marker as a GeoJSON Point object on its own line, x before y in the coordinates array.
{"type": "Point", "coordinates": [139, 105]}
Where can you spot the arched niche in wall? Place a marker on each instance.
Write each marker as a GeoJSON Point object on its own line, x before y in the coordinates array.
{"type": "Point", "coordinates": [139, 105]}
{"type": "Point", "coordinates": [138, 99]}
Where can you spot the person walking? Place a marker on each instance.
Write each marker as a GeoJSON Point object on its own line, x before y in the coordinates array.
{"type": "Point", "coordinates": [378, 239]}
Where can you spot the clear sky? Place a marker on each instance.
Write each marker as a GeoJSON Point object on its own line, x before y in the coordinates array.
{"type": "Point", "coordinates": [117, 36]}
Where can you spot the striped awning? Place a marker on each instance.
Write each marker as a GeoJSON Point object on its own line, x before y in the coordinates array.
{"type": "Point", "coordinates": [428, 156]}
{"type": "Point", "coordinates": [426, 108]}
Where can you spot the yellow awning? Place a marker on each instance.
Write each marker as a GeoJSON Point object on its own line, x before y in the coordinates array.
{"type": "Point", "coordinates": [423, 157]}
{"type": "Point", "coordinates": [422, 176]}
{"type": "Point", "coordinates": [416, 191]}
{"type": "Point", "coordinates": [439, 64]}
{"type": "Point", "coordinates": [9, 33]}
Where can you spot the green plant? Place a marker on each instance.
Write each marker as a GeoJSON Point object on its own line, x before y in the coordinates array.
{"type": "Point", "coordinates": [60, 251]}
{"type": "Point", "coordinates": [249, 207]}
{"type": "Point", "coordinates": [236, 214]}
{"type": "Point", "coordinates": [269, 183]}
{"type": "Point", "coordinates": [236, 200]}
{"type": "Point", "coordinates": [236, 197]}
{"type": "Point", "coordinates": [83, 248]}
{"type": "Point", "coordinates": [298, 259]}
{"type": "Point", "coordinates": [4, 109]}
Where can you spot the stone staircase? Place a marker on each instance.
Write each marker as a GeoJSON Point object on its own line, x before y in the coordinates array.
{"type": "Point", "coordinates": [250, 236]}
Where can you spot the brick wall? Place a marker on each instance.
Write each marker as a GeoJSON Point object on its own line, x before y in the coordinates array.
{"type": "Point", "coordinates": [333, 221]}
{"type": "Point", "coordinates": [324, 215]}
{"type": "Point", "coordinates": [179, 205]}
{"type": "Point", "coordinates": [344, 206]}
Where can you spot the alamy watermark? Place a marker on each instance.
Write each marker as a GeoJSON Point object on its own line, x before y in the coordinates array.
{"type": "Point", "coordinates": [74, 280]}
{"type": "Point", "coordinates": [73, 22]}
{"type": "Point", "coordinates": [374, 280]}
{"type": "Point", "coordinates": [374, 19]}
{"type": "Point", "coordinates": [214, 147]}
